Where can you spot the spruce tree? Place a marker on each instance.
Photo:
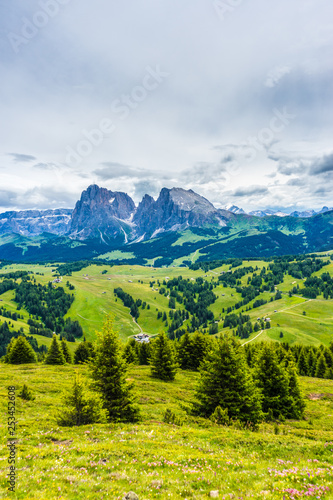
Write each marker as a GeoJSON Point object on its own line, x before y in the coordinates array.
{"type": "Point", "coordinates": [66, 352]}
{"type": "Point", "coordinates": [20, 352]}
{"type": "Point", "coordinates": [200, 347]}
{"type": "Point", "coordinates": [163, 361]}
{"type": "Point", "coordinates": [226, 381]}
{"type": "Point", "coordinates": [109, 371]}
{"type": "Point", "coordinates": [144, 353]}
{"type": "Point", "coordinates": [297, 408]}
{"type": "Point", "coordinates": [80, 406]}
{"type": "Point", "coordinates": [302, 365]}
{"type": "Point", "coordinates": [311, 361]}
{"type": "Point", "coordinates": [55, 355]}
{"type": "Point", "coordinates": [185, 352]}
{"type": "Point", "coordinates": [83, 352]}
{"type": "Point", "coordinates": [272, 380]}
{"type": "Point", "coordinates": [130, 353]}
{"type": "Point", "coordinates": [321, 367]}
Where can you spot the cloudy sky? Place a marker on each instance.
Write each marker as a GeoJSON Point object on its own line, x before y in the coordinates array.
{"type": "Point", "coordinates": [230, 98]}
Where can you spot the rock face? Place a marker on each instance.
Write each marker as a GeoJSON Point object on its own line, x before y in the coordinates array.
{"type": "Point", "coordinates": [175, 209]}
{"type": "Point", "coordinates": [36, 222]}
{"type": "Point", "coordinates": [101, 214]}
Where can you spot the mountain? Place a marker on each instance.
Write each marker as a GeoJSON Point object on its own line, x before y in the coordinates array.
{"type": "Point", "coordinates": [305, 213]}
{"type": "Point", "coordinates": [174, 210]}
{"type": "Point", "coordinates": [35, 222]}
{"type": "Point", "coordinates": [179, 226]}
{"type": "Point", "coordinates": [234, 209]}
{"type": "Point", "coordinates": [101, 214]}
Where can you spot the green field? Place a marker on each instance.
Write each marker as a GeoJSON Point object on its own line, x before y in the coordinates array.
{"type": "Point", "coordinates": [158, 460]}
{"type": "Point", "coordinates": [94, 298]}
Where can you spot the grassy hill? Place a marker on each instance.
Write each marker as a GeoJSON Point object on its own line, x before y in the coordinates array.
{"type": "Point", "coordinates": [302, 320]}
{"type": "Point", "coordinates": [158, 460]}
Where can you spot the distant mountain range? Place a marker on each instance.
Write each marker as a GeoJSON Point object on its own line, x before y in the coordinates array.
{"type": "Point", "coordinates": [279, 213]}
{"type": "Point", "coordinates": [180, 226]}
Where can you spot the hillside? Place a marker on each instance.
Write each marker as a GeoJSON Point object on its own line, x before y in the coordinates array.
{"type": "Point", "coordinates": [301, 319]}
{"type": "Point", "coordinates": [158, 460]}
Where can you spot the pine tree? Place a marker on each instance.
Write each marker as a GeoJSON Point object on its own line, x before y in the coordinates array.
{"type": "Point", "coordinates": [109, 370]}
{"type": "Point", "coordinates": [185, 352]}
{"type": "Point", "coordinates": [302, 365]}
{"type": "Point", "coordinates": [226, 381]}
{"type": "Point", "coordinates": [311, 361]}
{"type": "Point", "coordinates": [83, 352]}
{"type": "Point", "coordinates": [55, 355]}
{"type": "Point", "coordinates": [19, 352]}
{"type": "Point", "coordinates": [297, 408]}
{"type": "Point", "coordinates": [200, 346]}
{"type": "Point", "coordinates": [66, 352]}
{"type": "Point", "coordinates": [26, 393]}
{"type": "Point", "coordinates": [144, 353]}
{"type": "Point", "coordinates": [163, 360]}
{"type": "Point", "coordinates": [272, 380]}
{"type": "Point", "coordinates": [130, 353]}
{"type": "Point", "coordinates": [81, 406]}
{"type": "Point", "coordinates": [321, 367]}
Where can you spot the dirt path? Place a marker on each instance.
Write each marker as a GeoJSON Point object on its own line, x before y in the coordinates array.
{"type": "Point", "coordinates": [253, 338]}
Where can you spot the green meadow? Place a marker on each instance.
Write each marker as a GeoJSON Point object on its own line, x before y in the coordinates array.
{"type": "Point", "coordinates": [158, 460]}
{"type": "Point", "coordinates": [301, 320]}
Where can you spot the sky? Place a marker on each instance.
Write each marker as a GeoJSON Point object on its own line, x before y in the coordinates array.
{"type": "Point", "coordinates": [230, 98]}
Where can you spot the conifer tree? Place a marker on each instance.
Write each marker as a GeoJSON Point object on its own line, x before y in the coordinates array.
{"type": "Point", "coordinates": [226, 381]}
{"type": "Point", "coordinates": [302, 365]}
{"type": "Point", "coordinates": [109, 370]}
{"type": "Point", "coordinates": [272, 380]}
{"type": "Point", "coordinates": [130, 353]}
{"type": "Point", "coordinates": [19, 351]}
{"type": "Point", "coordinates": [200, 347]}
{"type": "Point", "coordinates": [55, 355]}
{"type": "Point", "coordinates": [81, 406]}
{"type": "Point", "coordinates": [144, 353]}
{"type": "Point", "coordinates": [185, 352]}
{"type": "Point", "coordinates": [321, 367]}
{"type": "Point", "coordinates": [83, 352]}
{"type": "Point", "coordinates": [163, 360]}
{"type": "Point", "coordinates": [26, 393]}
{"type": "Point", "coordinates": [311, 361]}
{"type": "Point", "coordinates": [66, 352]}
{"type": "Point", "coordinates": [297, 408]}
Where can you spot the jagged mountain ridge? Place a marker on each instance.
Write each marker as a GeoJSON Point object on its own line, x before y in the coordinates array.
{"type": "Point", "coordinates": [35, 222]}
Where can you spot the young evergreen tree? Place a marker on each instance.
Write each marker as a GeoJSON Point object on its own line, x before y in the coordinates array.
{"type": "Point", "coordinates": [226, 381]}
{"type": "Point", "coordinates": [54, 355]}
{"type": "Point", "coordinates": [321, 367]}
{"type": "Point", "coordinates": [185, 352]}
{"type": "Point", "coordinates": [20, 352]}
{"type": "Point", "coordinates": [83, 352]}
{"type": "Point", "coordinates": [302, 365]}
{"type": "Point", "coordinates": [26, 393]}
{"type": "Point", "coordinates": [144, 353]}
{"type": "Point", "coordinates": [130, 354]}
{"type": "Point", "coordinates": [272, 380]}
{"type": "Point", "coordinates": [163, 360]}
{"type": "Point", "coordinates": [109, 370]}
{"type": "Point", "coordinates": [81, 407]}
{"type": "Point", "coordinates": [311, 361]}
{"type": "Point", "coordinates": [66, 352]}
{"type": "Point", "coordinates": [297, 408]}
{"type": "Point", "coordinates": [200, 347]}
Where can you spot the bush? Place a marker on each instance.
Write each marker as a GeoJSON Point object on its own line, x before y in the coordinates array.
{"type": "Point", "coordinates": [220, 416]}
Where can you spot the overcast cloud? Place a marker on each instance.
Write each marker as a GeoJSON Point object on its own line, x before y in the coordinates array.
{"type": "Point", "coordinates": [142, 94]}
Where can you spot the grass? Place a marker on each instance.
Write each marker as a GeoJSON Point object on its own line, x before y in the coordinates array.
{"type": "Point", "coordinates": [94, 298]}
{"type": "Point", "coordinates": [158, 460]}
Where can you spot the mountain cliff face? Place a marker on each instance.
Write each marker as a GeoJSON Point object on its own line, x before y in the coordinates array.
{"type": "Point", "coordinates": [176, 209]}
{"type": "Point", "coordinates": [36, 222]}
{"type": "Point", "coordinates": [101, 214]}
